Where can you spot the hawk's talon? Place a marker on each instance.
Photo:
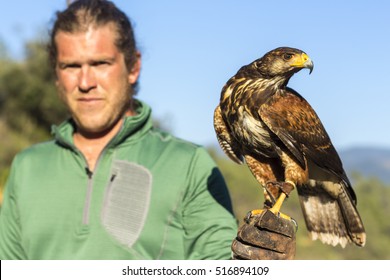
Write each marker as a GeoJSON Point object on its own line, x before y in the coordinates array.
{"type": "Point", "coordinates": [295, 223]}
{"type": "Point", "coordinates": [248, 217]}
{"type": "Point", "coordinates": [252, 213]}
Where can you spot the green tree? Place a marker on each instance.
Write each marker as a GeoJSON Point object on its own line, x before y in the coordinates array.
{"type": "Point", "coordinates": [28, 93]}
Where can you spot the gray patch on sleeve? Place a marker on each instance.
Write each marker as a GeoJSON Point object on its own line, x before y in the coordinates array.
{"type": "Point", "coordinates": [126, 201]}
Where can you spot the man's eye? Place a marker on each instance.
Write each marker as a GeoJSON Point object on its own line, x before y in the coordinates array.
{"type": "Point", "coordinates": [99, 63]}
{"type": "Point", "coordinates": [69, 66]}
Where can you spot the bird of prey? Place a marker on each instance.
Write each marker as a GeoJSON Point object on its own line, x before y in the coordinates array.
{"type": "Point", "coordinates": [274, 130]}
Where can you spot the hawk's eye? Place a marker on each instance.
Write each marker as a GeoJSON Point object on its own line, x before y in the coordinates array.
{"type": "Point", "coordinates": [287, 56]}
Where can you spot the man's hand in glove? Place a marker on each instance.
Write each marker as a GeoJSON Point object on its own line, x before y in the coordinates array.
{"type": "Point", "coordinates": [265, 237]}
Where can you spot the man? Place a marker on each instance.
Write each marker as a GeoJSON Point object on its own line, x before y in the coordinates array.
{"type": "Point", "coordinates": [110, 186]}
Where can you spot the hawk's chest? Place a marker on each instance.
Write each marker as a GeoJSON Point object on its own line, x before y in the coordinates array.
{"type": "Point", "coordinates": [250, 130]}
{"type": "Point", "coordinates": [240, 106]}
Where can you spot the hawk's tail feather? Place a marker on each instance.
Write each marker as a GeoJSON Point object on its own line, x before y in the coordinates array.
{"type": "Point", "coordinates": [332, 221]}
{"type": "Point", "coordinates": [352, 218]}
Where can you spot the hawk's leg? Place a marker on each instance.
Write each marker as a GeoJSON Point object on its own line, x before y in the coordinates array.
{"type": "Point", "coordinates": [276, 188]}
{"type": "Point", "coordinates": [273, 189]}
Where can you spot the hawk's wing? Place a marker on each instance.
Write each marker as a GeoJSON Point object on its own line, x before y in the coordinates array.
{"type": "Point", "coordinates": [293, 120]}
{"type": "Point", "coordinates": [225, 139]}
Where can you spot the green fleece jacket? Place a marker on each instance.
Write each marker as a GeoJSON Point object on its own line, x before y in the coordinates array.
{"type": "Point", "coordinates": [151, 196]}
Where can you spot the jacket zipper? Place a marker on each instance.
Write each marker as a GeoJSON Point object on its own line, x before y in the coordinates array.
{"type": "Point", "coordinates": [88, 197]}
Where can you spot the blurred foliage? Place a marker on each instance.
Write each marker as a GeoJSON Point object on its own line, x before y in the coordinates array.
{"type": "Point", "coordinates": [28, 101]}
{"type": "Point", "coordinates": [373, 205]}
{"type": "Point", "coordinates": [29, 105]}
{"type": "Point", "coordinates": [28, 93]}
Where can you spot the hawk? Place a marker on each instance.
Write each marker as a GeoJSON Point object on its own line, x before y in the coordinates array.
{"type": "Point", "coordinates": [274, 130]}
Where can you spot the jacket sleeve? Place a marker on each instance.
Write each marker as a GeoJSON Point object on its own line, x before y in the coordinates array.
{"type": "Point", "coordinates": [10, 230]}
{"type": "Point", "coordinates": [210, 226]}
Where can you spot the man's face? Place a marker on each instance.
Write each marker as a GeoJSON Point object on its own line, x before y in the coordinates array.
{"type": "Point", "coordinates": [92, 78]}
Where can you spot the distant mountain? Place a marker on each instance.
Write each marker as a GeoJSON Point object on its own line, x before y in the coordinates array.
{"type": "Point", "coordinates": [368, 161]}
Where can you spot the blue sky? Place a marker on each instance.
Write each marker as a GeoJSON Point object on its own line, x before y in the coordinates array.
{"type": "Point", "coordinates": [191, 48]}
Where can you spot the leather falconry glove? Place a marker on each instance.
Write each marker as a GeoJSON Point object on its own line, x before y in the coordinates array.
{"type": "Point", "coordinates": [265, 237]}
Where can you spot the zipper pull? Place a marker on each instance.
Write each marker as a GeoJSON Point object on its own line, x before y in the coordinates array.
{"type": "Point", "coordinates": [89, 172]}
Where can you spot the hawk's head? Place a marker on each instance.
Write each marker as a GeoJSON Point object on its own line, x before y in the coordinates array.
{"type": "Point", "coordinates": [283, 61]}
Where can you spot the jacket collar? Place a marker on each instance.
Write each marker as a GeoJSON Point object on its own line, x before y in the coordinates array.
{"type": "Point", "coordinates": [133, 128]}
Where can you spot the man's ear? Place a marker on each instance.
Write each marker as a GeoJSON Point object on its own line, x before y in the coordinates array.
{"type": "Point", "coordinates": [135, 70]}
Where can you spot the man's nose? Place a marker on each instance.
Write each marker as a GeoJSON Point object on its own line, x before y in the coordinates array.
{"type": "Point", "coordinates": [87, 79]}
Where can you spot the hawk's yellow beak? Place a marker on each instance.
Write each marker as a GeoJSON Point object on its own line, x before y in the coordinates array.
{"type": "Point", "coordinates": [303, 61]}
